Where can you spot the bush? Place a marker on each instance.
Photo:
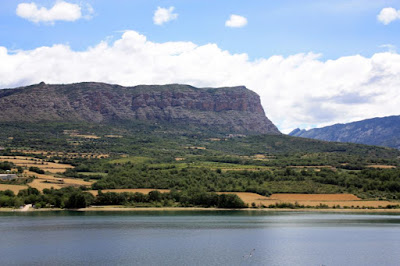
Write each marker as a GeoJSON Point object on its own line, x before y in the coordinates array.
{"type": "Point", "coordinates": [36, 170]}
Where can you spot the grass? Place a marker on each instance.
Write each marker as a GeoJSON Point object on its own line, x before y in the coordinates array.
{"type": "Point", "coordinates": [132, 159]}
{"type": "Point", "coordinates": [228, 166]}
{"type": "Point", "coordinates": [93, 174]}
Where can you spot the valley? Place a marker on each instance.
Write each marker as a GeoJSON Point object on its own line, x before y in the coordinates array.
{"type": "Point", "coordinates": [108, 162]}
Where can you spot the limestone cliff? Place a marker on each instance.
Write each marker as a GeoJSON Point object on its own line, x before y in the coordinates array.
{"type": "Point", "coordinates": [233, 109]}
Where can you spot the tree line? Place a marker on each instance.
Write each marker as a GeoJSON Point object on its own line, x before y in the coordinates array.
{"type": "Point", "coordinates": [72, 198]}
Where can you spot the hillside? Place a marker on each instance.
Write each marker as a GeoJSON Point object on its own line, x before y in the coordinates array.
{"type": "Point", "coordinates": [383, 131]}
{"type": "Point", "coordinates": [227, 110]}
{"type": "Point", "coordinates": [172, 137]}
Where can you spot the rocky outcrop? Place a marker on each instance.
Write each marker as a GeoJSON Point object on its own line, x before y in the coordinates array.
{"type": "Point", "coordinates": [384, 131]}
{"type": "Point", "coordinates": [233, 109]}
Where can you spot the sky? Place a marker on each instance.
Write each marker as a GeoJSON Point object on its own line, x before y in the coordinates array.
{"type": "Point", "coordinates": [313, 63]}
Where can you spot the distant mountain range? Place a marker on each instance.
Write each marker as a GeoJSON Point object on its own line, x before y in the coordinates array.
{"type": "Point", "coordinates": [227, 110]}
{"type": "Point", "coordinates": [384, 131]}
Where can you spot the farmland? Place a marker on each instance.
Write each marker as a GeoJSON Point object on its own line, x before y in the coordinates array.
{"type": "Point", "coordinates": [51, 177]}
{"type": "Point", "coordinates": [27, 162]}
{"type": "Point", "coordinates": [13, 188]}
{"type": "Point", "coordinates": [134, 158]}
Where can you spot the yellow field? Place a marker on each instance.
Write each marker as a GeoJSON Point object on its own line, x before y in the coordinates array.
{"type": "Point", "coordinates": [314, 197]}
{"type": "Point", "coordinates": [41, 184]}
{"type": "Point", "coordinates": [113, 136]}
{"type": "Point", "coordinates": [382, 166]}
{"type": "Point", "coordinates": [241, 169]}
{"type": "Point", "coordinates": [13, 188]}
{"type": "Point", "coordinates": [75, 133]}
{"type": "Point", "coordinates": [85, 136]}
{"type": "Point", "coordinates": [195, 148]}
{"type": "Point", "coordinates": [331, 200]}
{"type": "Point", "coordinates": [48, 181]}
{"type": "Point", "coordinates": [29, 162]}
{"type": "Point", "coordinates": [249, 198]}
{"type": "Point", "coordinates": [130, 190]}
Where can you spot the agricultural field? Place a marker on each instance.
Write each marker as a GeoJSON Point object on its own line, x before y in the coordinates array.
{"type": "Point", "coordinates": [381, 166]}
{"type": "Point", "coordinates": [76, 134]}
{"type": "Point", "coordinates": [13, 188]}
{"type": "Point", "coordinates": [51, 177]}
{"type": "Point", "coordinates": [312, 200]}
{"type": "Point", "coordinates": [49, 180]}
{"type": "Point", "coordinates": [22, 161]}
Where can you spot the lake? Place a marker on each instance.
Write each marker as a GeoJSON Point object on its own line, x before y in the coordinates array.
{"type": "Point", "coordinates": [198, 238]}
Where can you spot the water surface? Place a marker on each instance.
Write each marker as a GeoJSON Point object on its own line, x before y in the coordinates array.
{"type": "Point", "coordinates": [198, 238]}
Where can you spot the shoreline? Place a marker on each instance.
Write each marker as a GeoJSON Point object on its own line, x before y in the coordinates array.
{"type": "Point", "coordinates": [154, 209]}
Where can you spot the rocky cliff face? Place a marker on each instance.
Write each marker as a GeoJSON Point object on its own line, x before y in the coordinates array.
{"type": "Point", "coordinates": [234, 109]}
{"type": "Point", "coordinates": [383, 131]}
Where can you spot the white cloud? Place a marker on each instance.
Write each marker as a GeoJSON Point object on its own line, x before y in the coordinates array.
{"type": "Point", "coordinates": [389, 47]}
{"type": "Point", "coordinates": [236, 21]}
{"type": "Point", "coordinates": [299, 90]}
{"type": "Point", "coordinates": [163, 15]}
{"type": "Point", "coordinates": [388, 15]}
{"type": "Point", "coordinates": [61, 11]}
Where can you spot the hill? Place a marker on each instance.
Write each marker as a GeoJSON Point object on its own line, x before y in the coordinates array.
{"type": "Point", "coordinates": [172, 137]}
{"type": "Point", "coordinates": [227, 110]}
{"type": "Point", "coordinates": [383, 131]}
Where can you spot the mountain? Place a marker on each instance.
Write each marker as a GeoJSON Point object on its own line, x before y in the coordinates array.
{"type": "Point", "coordinates": [228, 109]}
{"type": "Point", "coordinates": [384, 131]}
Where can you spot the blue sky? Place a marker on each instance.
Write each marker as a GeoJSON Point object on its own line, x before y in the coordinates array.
{"type": "Point", "coordinates": [332, 28]}
{"type": "Point", "coordinates": [313, 63]}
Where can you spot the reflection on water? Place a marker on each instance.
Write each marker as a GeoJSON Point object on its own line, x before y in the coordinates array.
{"type": "Point", "coordinates": [198, 238]}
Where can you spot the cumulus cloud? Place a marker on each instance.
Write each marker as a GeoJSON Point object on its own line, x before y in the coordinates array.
{"type": "Point", "coordinates": [298, 90]}
{"type": "Point", "coordinates": [236, 21]}
{"type": "Point", "coordinates": [60, 11]}
{"type": "Point", "coordinates": [163, 15]}
{"type": "Point", "coordinates": [388, 15]}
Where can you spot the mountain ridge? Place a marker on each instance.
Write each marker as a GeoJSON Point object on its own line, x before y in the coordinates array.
{"type": "Point", "coordinates": [231, 109]}
{"type": "Point", "coordinates": [380, 131]}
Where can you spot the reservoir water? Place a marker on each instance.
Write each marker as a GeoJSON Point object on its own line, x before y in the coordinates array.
{"type": "Point", "coordinates": [198, 238]}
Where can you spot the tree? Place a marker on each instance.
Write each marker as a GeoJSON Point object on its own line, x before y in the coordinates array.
{"type": "Point", "coordinates": [155, 195]}
{"type": "Point", "coordinates": [76, 200]}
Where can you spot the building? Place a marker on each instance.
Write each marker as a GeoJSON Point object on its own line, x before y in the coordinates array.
{"type": "Point", "coordinates": [7, 177]}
